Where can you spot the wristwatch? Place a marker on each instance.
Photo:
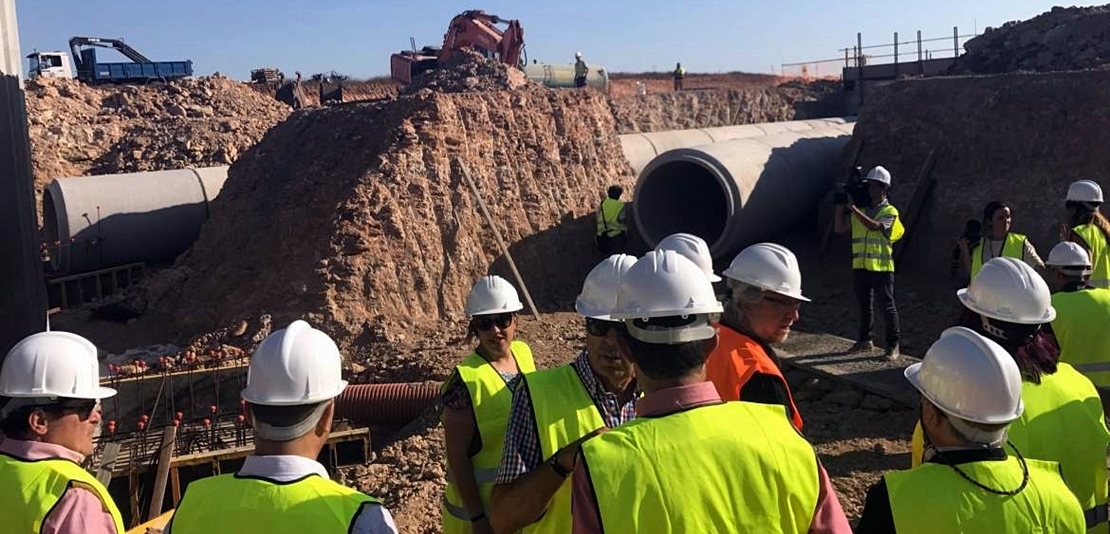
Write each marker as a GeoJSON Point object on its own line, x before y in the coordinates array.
{"type": "Point", "coordinates": [554, 463]}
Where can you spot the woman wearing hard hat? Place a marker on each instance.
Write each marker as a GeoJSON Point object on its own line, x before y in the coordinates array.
{"type": "Point", "coordinates": [476, 404]}
{"type": "Point", "coordinates": [1090, 228]}
{"type": "Point", "coordinates": [1010, 304]}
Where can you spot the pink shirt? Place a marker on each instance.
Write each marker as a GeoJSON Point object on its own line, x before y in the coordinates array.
{"type": "Point", "coordinates": [829, 517]}
{"type": "Point", "coordinates": [79, 511]}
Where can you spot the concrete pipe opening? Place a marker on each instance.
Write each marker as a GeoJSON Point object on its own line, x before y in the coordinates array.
{"type": "Point", "coordinates": [682, 194]}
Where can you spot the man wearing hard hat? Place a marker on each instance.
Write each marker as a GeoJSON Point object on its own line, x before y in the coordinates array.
{"type": "Point", "coordinates": [294, 376]}
{"type": "Point", "coordinates": [1082, 323]}
{"type": "Point", "coordinates": [51, 384]}
{"type": "Point", "coordinates": [581, 70]}
{"type": "Point", "coordinates": [554, 410]}
{"type": "Point", "coordinates": [765, 293]}
{"type": "Point", "coordinates": [875, 229]}
{"type": "Point", "coordinates": [690, 462]}
{"type": "Point", "coordinates": [970, 392]}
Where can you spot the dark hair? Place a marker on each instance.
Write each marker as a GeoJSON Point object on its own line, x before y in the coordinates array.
{"type": "Point", "coordinates": [1033, 347]}
{"type": "Point", "coordinates": [15, 425]}
{"type": "Point", "coordinates": [660, 361]}
{"type": "Point", "coordinates": [991, 208]}
{"type": "Point", "coordinates": [282, 416]}
{"type": "Point", "coordinates": [615, 192]}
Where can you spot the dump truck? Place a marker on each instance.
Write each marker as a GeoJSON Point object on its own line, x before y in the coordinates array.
{"type": "Point", "coordinates": [89, 70]}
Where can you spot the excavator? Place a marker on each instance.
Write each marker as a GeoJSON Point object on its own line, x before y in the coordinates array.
{"type": "Point", "coordinates": [473, 28]}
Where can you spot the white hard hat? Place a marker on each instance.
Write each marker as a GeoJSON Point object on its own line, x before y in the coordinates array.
{"type": "Point", "coordinates": [49, 365]}
{"type": "Point", "coordinates": [1085, 191]}
{"type": "Point", "coordinates": [295, 366]}
{"type": "Point", "coordinates": [1008, 290]}
{"type": "Point", "coordinates": [599, 291]}
{"type": "Point", "coordinates": [492, 295]}
{"type": "Point", "coordinates": [665, 284]}
{"type": "Point", "coordinates": [694, 248]}
{"type": "Point", "coordinates": [969, 376]}
{"type": "Point", "coordinates": [768, 266]}
{"type": "Point", "coordinates": [1068, 254]}
{"type": "Point", "coordinates": [578, 54]}
{"type": "Point", "coordinates": [878, 174]}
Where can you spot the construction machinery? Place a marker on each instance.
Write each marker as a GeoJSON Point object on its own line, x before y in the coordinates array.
{"type": "Point", "coordinates": [473, 28]}
{"type": "Point", "coordinates": [57, 64]}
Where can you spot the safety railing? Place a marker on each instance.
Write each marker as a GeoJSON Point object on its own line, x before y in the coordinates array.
{"type": "Point", "coordinates": [895, 52]}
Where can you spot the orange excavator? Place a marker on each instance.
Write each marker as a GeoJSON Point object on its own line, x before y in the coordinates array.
{"type": "Point", "coordinates": [473, 28]}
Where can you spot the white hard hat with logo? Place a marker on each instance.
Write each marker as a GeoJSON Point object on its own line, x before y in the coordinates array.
{"type": "Point", "coordinates": [768, 266]}
{"type": "Point", "coordinates": [599, 291]}
{"type": "Point", "coordinates": [295, 366]}
{"type": "Point", "coordinates": [1070, 256]}
{"type": "Point", "coordinates": [1008, 290]}
{"type": "Point", "coordinates": [694, 248]}
{"type": "Point", "coordinates": [968, 376]}
{"type": "Point", "coordinates": [1085, 191]}
{"type": "Point", "coordinates": [664, 283]}
{"type": "Point", "coordinates": [878, 174]}
{"type": "Point", "coordinates": [492, 295]}
{"type": "Point", "coordinates": [52, 365]}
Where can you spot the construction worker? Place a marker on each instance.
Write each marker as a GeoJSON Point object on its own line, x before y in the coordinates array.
{"type": "Point", "coordinates": [694, 249]}
{"type": "Point", "coordinates": [476, 403]}
{"type": "Point", "coordinates": [970, 391]}
{"type": "Point", "coordinates": [581, 70]}
{"type": "Point", "coordinates": [690, 462]}
{"type": "Point", "coordinates": [50, 384]}
{"type": "Point", "coordinates": [679, 73]}
{"type": "Point", "coordinates": [294, 376]}
{"type": "Point", "coordinates": [612, 232]}
{"type": "Point", "coordinates": [1082, 315]}
{"type": "Point", "coordinates": [999, 241]}
{"type": "Point", "coordinates": [1010, 304]}
{"type": "Point", "coordinates": [875, 229]}
{"type": "Point", "coordinates": [1089, 227]}
{"type": "Point", "coordinates": [554, 410]}
{"type": "Point", "coordinates": [765, 292]}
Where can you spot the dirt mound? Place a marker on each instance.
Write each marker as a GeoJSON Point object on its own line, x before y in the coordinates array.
{"type": "Point", "coordinates": [1072, 38]}
{"type": "Point", "coordinates": [468, 71]}
{"type": "Point", "coordinates": [355, 218]}
{"type": "Point", "coordinates": [700, 109]}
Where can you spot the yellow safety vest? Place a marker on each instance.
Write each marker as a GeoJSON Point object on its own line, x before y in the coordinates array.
{"type": "Point", "coordinates": [729, 467]}
{"type": "Point", "coordinates": [492, 401]}
{"type": "Point", "coordinates": [1082, 329]}
{"type": "Point", "coordinates": [608, 214]}
{"type": "Point", "coordinates": [33, 487]}
{"type": "Point", "coordinates": [934, 498]}
{"type": "Point", "coordinates": [564, 412]}
{"type": "Point", "coordinates": [1097, 246]}
{"type": "Point", "coordinates": [230, 504]}
{"type": "Point", "coordinates": [1062, 422]}
{"type": "Point", "coordinates": [1012, 247]}
{"type": "Point", "coordinates": [871, 249]}
{"type": "Point", "coordinates": [679, 72]}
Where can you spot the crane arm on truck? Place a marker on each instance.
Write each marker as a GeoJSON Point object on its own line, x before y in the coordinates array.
{"type": "Point", "coordinates": [122, 47]}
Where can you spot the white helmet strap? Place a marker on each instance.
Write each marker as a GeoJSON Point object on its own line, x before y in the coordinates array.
{"type": "Point", "coordinates": [697, 330]}
{"type": "Point", "coordinates": [288, 433]}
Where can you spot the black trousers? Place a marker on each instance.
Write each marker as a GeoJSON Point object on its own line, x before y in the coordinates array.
{"type": "Point", "coordinates": [609, 245]}
{"type": "Point", "coordinates": [870, 284]}
{"type": "Point", "coordinates": [579, 81]}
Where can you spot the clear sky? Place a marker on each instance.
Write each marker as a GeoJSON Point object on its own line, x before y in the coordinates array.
{"type": "Point", "coordinates": [356, 37]}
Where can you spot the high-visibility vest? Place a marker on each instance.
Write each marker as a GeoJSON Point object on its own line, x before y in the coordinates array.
{"type": "Point", "coordinates": [871, 249]}
{"type": "Point", "coordinates": [729, 467]}
{"type": "Point", "coordinates": [1062, 422]}
{"type": "Point", "coordinates": [581, 69]}
{"type": "Point", "coordinates": [492, 401]}
{"type": "Point", "coordinates": [564, 412]}
{"type": "Point", "coordinates": [735, 360]}
{"type": "Point", "coordinates": [1100, 254]}
{"type": "Point", "coordinates": [31, 488]}
{"type": "Point", "coordinates": [679, 72]}
{"type": "Point", "coordinates": [230, 504]}
{"type": "Point", "coordinates": [608, 215]}
{"type": "Point", "coordinates": [1082, 328]}
{"type": "Point", "coordinates": [935, 498]}
{"type": "Point", "coordinates": [1012, 247]}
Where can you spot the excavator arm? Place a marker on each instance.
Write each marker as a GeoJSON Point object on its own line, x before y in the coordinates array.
{"type": "Point", "coordinates": [479, 30]}
{"type": "Point", "coordinates": [122, 47]}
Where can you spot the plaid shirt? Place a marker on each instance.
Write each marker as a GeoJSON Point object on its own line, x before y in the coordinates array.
{"type": "Point", "coordinates": [522, 451]}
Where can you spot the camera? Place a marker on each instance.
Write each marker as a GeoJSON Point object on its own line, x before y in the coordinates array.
{"type": "Point", "coordinates": [973, 232]}
{"type": "Point", "coordinates": [853, 190]}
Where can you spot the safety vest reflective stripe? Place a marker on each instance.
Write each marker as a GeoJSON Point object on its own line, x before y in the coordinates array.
{"type": "Point", "coordinates": [873, 256]}
{"type": "Point", "coordinates": [32, 488]}
{"type": "Point", "coordinates": [1012, 247]}
{"type": "Point", "coordinates": [482, 476]}
{"type": "Point", "coordinates": [1100, 254]}
{"type": "Point", "coordinates": [871, 249]}
{"type": "Point", "coordinates": [1096, 516]}
{"type": "Point", "coordinates": [935, 498]}
{"type": "Point", "coordinates": [1092, 367]}
{"type": "Point", "coordinates": [491, 400]}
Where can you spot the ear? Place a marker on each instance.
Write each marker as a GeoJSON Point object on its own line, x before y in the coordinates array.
{"type": "Point", "coordinates": [38, 422]}
{"type": "Point", "coordinates": [323, 426]}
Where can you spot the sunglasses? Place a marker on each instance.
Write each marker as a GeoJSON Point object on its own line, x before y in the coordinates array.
{"type": "Point", "coordinates": [598, 327]}
{"type": "Point", "coordinates": [82, 407]}
{"type": "Point", "coordinates": [486, 322]}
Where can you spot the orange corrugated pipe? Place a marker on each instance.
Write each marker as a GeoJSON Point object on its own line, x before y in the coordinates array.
{"type": "Point", "coordinates": [376, 404]}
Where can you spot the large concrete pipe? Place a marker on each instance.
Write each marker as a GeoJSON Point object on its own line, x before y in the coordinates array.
{"type": "Point", "coordinates": [641, 148]}
{"type": "Point", "coordinates": [737, 192]}
{"type": "Point", "coordinates": [95, 222]}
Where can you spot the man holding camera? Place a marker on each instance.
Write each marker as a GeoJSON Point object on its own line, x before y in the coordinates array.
{"type": "Point", "coordinates": [875, 227]}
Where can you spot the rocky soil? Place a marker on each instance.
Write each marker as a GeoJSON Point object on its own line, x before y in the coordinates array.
{"type": "Point", "coordinates": [1071, 38]}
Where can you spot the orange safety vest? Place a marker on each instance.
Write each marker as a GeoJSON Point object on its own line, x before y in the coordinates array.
{"type": "Point", "coordinates": [734, 362]}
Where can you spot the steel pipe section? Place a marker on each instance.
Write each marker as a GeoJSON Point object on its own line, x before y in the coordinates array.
{"type": "Point", "coordinates": [738, 192]}
{"type": "Point", "coordinates": [641, 148]}
{"type": "Point", "coordinates": [94, 222]}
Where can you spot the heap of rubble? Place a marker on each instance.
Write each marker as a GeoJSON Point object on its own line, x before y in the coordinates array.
{"type": "Point", "coordinates": [1073, 38]}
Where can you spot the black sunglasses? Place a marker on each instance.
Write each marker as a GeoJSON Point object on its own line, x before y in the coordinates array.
{"type": "Point", "coordinates": [485, 322]}
{"type": "Point", "coordinates": [598, 327]}
{"type": "Point", "coordinates": [82, 407]}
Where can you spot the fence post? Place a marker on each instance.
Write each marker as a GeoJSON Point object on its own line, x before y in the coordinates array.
{"type": "Point", "coordinates": [955, 41]}
{"type": "Point", "coordinates": [859, 65]}
{"type": "Point", "coordinates": [895, 54]}
{"type": "Point", "coordinates": [920, 67]}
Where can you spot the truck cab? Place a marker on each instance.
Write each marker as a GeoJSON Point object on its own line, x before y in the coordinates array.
{"type": "Point", "coordinates": [50, 65]}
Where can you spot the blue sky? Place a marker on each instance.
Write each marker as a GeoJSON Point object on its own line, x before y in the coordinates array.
{"type": "Point", "coordinates": [357, 37]}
